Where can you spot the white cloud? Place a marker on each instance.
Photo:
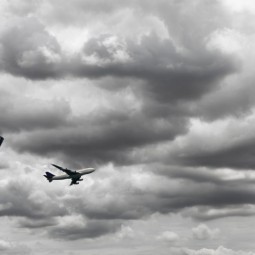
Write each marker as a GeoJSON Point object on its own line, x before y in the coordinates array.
{"type": "Point", "coordinates": [219, 251]}
{"type": "Point", "coordinates": [203, 232]}
{"type": "Point", "coordinates": [240, 6]}
{"type": "Point", "coordinates": [169, 237]}
{"type": "Point", "coordinates": [227, 40]}
{"type": "Point", "coordinates": [126, 232]}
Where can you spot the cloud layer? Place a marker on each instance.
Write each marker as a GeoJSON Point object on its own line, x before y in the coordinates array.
{"type": "Point", "coordinates": [157, 96]}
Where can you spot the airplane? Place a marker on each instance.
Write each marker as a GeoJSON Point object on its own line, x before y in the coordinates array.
{"type": "Point", "coordinates": [70, 174]}
{"type": "Point", "coordinates": [1, 140]}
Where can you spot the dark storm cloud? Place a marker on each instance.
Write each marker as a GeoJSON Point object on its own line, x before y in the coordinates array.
{"type": "Point", "coordinates": [106, 139]}
{"type": "Point", "coordinates": [47, 210]}
{"type": "Point", "coordinates": [166, 76]}
{"type": "Point", "coordinates": [198, 175]}
{"type": "Point", "coordinates": [172, 69]}
{"type": "Point", "coordinates": [167, 73]}
{"type": "Point", "coordinates": [215, 176]}
{"type": "Point", "coordinates": [38, 223]}
{"type": "Point", "coordinates": [230, 100]}
{"type": "Point", "coordinates": [181, 67]}
{"type": "Point", "coordinates": [207, 213]}
{"type": "Point", "coordinates": [173, 201]}
{"type": "Point", "coordinates": [126, 201]}
{"type": "Point", "coordinates": [238, 156]}
{"type": "Point", "coordinates": [109, 202]}
{"type": "Point", "coordinates": [28, 50]}
{"type": "Point", "coordinates": [84, 230]}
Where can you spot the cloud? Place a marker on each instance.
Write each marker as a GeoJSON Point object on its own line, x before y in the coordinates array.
{"type": "Point", "coordinates": [34, 224]}
{"type": "Point", "coordinates": [18, 199]}
{"type": "Point", "coordinates": [167, 72]}
{"type": "Point", "coordinates": [161, 102]}
{"type": "Point", "coordinates": [28, 113]}
{"type": "Point", "coordinates": [114, 196]}
{"type": "Point", "coordinates": [227, 143]}
{"type": "Point", "coordinates": [237, 156]}
{"type": "Point", "coordinates": [204, 213]}
{"type": "Point", "coordinates": [203, 232]}
{"type": "Point", "coordinates": [103, 134]}
{"type": "Point", "coordinates": [105, 142]}
{"type": "Point", "coordinates": [165, 75]}
{"type": "Point", "coordinates": [28, 50]}
{"type": "Point", "coordinates": [179, 74]}
{"type": "Point", "coordinates": [117, 195]}
{"type": "Point", "coordinates": [126, 232]}
{"type": "Point", "coordinates": [219, 251]}
{"type": "Point", "coordinates": [169, 237]}
{"type": "Point", "coordinates": [11, 248]}
{"type": "Point", "coordinates": [76, 227]}
{"type": "Point", "coordinates": [157, 61]}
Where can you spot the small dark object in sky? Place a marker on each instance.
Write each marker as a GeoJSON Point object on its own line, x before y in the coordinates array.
{"type": "Point", "coordinates": [1, 140]}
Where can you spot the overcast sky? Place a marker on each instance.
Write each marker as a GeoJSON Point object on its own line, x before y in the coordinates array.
{"type": "Point", "coordinates": [158, 96]}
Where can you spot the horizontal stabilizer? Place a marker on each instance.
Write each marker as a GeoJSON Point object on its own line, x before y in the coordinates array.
{"type": "Point", "coordinates": [49, 176]}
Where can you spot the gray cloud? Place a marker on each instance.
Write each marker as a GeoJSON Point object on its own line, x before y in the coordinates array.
{"type": "Point", "coordinates": [220, 250]}
{"type": "Point", "coordinates": [3, 165]}
{"type": "Point", "coordinates": [18, 199]}
{"type": "Point", "coordinates": [207, 213]}
{"type": "Point", "coordinates": [23, 9]}
{"type": "Point", "coordinates": [167, 73]}
{"type": "Point", "coordinates": [12, 248]}
{"type": "Point", "coordinates": [84, 230]}
{"type": "Point", "coordinates": [36, 223]}
{"type": "Point", "coordinates": [106, 139]}
{"type": "Point", "coordinates": [21, 113]}
{"type": "Point", "coordinates": [229, 100]}
{"type": "Point", "coordinates": [169, 237]}
{"type": "Point", "coordinates": [203, 232]}
{"type": "Point", "coordinates": [28, 50]}
{"type": "Point", "coordinates": [236, 156]}
{"type": "Point", "coordinates": [120, 199]}
{"type": "Point", "coordinates": [198, 175]}
{"type": "Point", "coordinates": [168, 77]}
{"type": "Point", "coordinates": [125, 200]}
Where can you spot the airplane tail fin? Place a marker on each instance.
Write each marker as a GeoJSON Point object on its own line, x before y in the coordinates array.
{"type": "Point", "coordinates": [1, 140]}
{"type": "Point", "coordinates": [49, 176]}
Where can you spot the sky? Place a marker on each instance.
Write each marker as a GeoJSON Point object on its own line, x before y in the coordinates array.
{"type": "Point", "coordinates": [158, 96]}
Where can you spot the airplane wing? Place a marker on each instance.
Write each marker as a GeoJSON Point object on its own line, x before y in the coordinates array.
{"type": "Point", "coordinates": [67, 171]}
{"type": "Point", "coordinates": [1, 140]}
